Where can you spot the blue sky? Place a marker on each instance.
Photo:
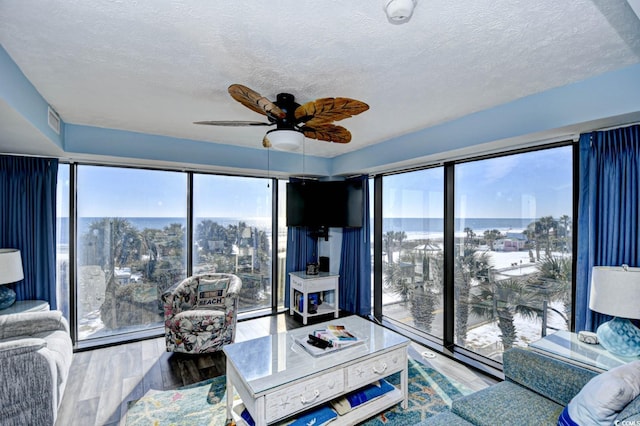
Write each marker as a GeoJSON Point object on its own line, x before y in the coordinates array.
{"type": "Point", "coordinates": [126, 192]}
{"type": "Point", "coordinates": [526, 185]}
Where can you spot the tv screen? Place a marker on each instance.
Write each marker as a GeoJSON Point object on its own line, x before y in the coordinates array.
{"type": "Point", "coordinates": [334, 204]}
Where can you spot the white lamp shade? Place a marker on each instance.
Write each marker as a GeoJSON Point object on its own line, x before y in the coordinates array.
{"type": "Point", "coordinates": [615, 291]}
{"type": "Point", "coordinates": [285, 140]}
{"type": "Point", "coordinates": [10, 266]}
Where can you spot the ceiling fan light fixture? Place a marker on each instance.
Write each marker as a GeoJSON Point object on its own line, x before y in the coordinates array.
{"type": "Point", "coordinates": [399, 11]}
{"type": "Point", "coordinates": [285, 139]}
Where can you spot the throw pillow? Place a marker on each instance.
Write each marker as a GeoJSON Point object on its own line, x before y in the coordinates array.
{"type": "Point", "coordinates": [212, 293]}
{"type": "Point", "coordinates": [603, 397]}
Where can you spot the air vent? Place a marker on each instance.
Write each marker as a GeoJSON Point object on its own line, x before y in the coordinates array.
{"type": "Point", "coordinates": [54, 120]}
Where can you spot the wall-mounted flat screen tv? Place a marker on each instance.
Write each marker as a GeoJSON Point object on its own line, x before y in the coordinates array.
{"type": "Point", "coordinates": [333, 204]}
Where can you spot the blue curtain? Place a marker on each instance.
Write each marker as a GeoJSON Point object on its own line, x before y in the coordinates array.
{"type": "Point", "coordinates": [355, 263]}
{"type": "Point", "coordinates": [28, 202]}
{"type": "Point", "coordinates": [301, 248]}
{"type": "Point", "coordinates": [609, 205]}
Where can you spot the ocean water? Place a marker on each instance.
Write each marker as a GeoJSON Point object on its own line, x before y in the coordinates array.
{"type": "Point", "coordinates": [141, 223]}
{"type": "Point", "coordinates": [436, 225]}
{"type": "Point", "coordinates": [413, 227]}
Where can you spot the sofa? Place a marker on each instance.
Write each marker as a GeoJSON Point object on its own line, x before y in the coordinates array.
{"type": "Point", "coordinates": [538, 390]}
{"type": "Point", "coordinates": [35, 357]}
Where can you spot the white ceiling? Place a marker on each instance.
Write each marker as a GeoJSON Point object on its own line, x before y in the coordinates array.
{"type": "Point", "coordinates": [155, 66]}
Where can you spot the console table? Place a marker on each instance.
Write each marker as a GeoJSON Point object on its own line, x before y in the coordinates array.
{"type": "Point", "coordinates": [276, 378]}
{"type": "Point", "coordinates": [565, 345]}
{"type": "Point", "coordinates": [22, 306]}
{"type": "Point", "coordinates": [323, 282]}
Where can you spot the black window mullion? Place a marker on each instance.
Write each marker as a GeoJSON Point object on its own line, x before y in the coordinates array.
{"type": "Point", "coordinates": [449, 260]}
{"type": "Point", "coordinates": [377, 247]}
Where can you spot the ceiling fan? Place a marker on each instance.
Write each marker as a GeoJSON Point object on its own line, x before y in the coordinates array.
{"type": "Point", "coordinates": [313, 119]}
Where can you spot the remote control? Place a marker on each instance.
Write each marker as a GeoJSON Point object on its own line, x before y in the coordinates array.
{"type": "Point", "coordinates": [318, 342]}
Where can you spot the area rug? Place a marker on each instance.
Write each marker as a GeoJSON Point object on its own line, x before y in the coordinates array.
{"type": "Point", "coordinates": [204, 403]}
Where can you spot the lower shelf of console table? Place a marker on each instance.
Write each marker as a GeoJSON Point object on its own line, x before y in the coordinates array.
{"type": "Point", "coordinates": [355, 416]}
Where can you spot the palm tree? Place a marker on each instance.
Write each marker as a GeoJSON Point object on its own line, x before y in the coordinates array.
{"type": "Point", "coordinates": [397, 281]}
{"type": "Point", "coordinates": [491, 236]}
{"type": "Point", "coordinates": [564, 226]}
{"type": "Point", "coordinates": [539, 232]}
{"type": "Point", "coordinates": [423, 304]}
{"type": "Point", "coordinates": [500, 301]}
{"type": "Point", "coordinates": [392, 240]}
{"type": "Point", "coordinates": [471, 268]}
{"type": "Point", "coordinates": [553, 283]}
{"type": "Point", "coordinates": [469, 237]}
{"type": "Point", "coordinates": [549, 227]}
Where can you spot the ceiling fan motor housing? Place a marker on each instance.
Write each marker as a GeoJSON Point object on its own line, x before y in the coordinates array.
{"type": "Point", "coordinates": [286, 102]}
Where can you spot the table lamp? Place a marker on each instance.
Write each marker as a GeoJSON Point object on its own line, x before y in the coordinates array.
{"type": "Point", "coordinates": [10, 272]}
{"type": "Point", "coordinates": [615, 291]}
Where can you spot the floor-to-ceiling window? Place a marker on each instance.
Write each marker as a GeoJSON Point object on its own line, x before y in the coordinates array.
{"type": "Point", "coordinates": [512, 249]}
{"type": "Point", "coordinates": [232, 219]}
{"type": "Point", "coordinates": [131, 246]}
{"type": "Point", "coordinates": [506, 262]}
{"type": "Point", "coordinates": [132, 235]}
{"type": "Point", "coordinates": [412, 244]}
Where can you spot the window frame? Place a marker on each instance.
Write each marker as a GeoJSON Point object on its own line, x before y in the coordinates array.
{"type": "Point", "coordinates": [447, 344]}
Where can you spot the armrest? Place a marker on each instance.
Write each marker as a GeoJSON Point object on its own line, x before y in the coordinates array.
{"type": "Point", "coordinates": [20, 346]}
{"type": "Point", "coordinates": [29, 323]}
{"type": "Point", "coordinates": [177, 298]}
{"type": "Point", "coordinates": [234, 286]}
{"type": "Point", "coordinates": [550, 377]}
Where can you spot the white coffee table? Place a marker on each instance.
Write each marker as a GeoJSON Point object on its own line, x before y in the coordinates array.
{"type": "Point", "coordinates": [276, 378]}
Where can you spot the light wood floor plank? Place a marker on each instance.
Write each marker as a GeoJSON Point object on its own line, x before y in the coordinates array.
{"type": "Point", "coordinates": [103, 381]}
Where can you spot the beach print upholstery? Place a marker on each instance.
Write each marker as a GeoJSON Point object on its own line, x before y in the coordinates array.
{"type": "Point", "coordinates": [192, 330]}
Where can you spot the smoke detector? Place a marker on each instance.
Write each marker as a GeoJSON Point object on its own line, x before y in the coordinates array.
{"type": "Point", "coordinates": [399, 11]}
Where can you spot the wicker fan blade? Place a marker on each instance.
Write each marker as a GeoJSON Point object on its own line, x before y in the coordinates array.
{"type": "Point", "coordinates": [255, 101]}
{"type": "Point", "coordinates": [326, 110]}
{"type": "Point", "coordinates": [327, 132]}
{"type": "Point", "coordinates": [233, 123]}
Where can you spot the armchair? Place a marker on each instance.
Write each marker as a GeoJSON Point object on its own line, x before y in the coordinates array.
{"type": "Point", "coordinates": [200, 313]}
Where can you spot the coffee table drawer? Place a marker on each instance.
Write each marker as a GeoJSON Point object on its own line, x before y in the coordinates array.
{"type": "Point", "coordinates": [376, 368]}
{"type": "Point", "coordinates": [303, 395]}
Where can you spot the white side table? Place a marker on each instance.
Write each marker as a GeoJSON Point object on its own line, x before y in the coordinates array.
{"type": "Point", "coordinates": [22, 306]}
{"type": "Point", "coordinates": [303, 284]}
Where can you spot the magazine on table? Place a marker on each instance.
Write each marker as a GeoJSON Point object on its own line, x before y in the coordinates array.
{"type": "Point", "coordinates": [327, 340]}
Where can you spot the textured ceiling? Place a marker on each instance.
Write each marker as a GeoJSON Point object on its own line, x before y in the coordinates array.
{"type": "Point", "coordinates": [155, 66]}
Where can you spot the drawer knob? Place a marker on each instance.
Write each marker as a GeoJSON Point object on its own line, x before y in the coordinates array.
{"type": "Point", "coordinates": [316, 394]}
{"type": "Point", "coordinates": [382, 370]}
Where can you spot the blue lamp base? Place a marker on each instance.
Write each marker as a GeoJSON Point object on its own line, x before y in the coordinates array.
{"type": "Point", "coordinates": [619, 336]}
{"type": "Point", "coordinates": [7, 297]}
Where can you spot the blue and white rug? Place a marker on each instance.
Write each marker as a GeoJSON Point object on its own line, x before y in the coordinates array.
{"type": "Point", "coordinates": [204, 403]}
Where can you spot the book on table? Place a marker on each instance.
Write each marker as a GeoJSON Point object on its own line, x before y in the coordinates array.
{"type": "Point", "coordinates": [328, 339]}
